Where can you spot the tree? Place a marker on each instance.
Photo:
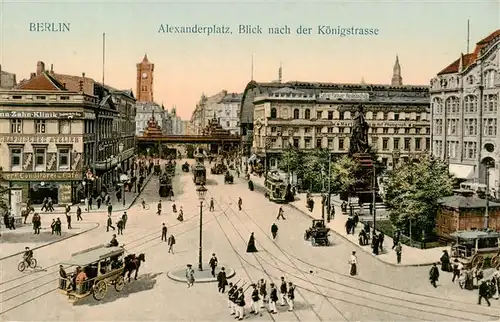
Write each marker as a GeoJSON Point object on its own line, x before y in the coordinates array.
{"type": "Point", "coordinates": [411, 192]}
{"type": "Point", "coordinates": [342, 174]}
{"type": "Point", "coordinates": [291, 161]}
{"type": "Point", "coordinates": [315, 169]}
{"type": "Point", "coordinates": [4, 194]}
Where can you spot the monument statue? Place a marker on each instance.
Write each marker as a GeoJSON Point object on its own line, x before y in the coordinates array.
{"type": "Point", "coordinates": [359, 136]}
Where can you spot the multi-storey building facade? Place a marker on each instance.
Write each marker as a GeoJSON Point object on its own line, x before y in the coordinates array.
{"type": "Point", "coordinates": [7, 80]}
{"type": "Point", "coordinates": [144, 111]}
{"type": "Point", "coordinates": [224, 106]}
{"type": "Point", "coordinates": [42, 135]}
{"type": "Point", "coordinates": [319, 115]}
{"type": "Point", "coordinates": [176, 123]}
{"type": "Point", "coordinates": [465, 111]}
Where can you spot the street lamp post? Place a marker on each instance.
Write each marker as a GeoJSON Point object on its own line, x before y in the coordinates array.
{"type": "Point", "coordinates": [123, 180]}
{"type": "Point", "coordinates": [267, 145]}
{"type": "Point", "coordinates": [201, 190]}
{"type": "Point", "coordinates": [487, 208]}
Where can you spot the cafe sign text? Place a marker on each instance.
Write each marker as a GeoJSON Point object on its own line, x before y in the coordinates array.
{"type": "Point", "coordinates": [40, 115]}
{"type": "Point", "coordinates": [345, 96]}
{"type": "Point", "coordinates": [39, 138]}
{"type": "Point", "coordinates": [390, 124]}
{"type": "Point", "coordinates": [42, 176]}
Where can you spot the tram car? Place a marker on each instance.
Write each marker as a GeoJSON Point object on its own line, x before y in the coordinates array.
{"type": "Point", "coordinates": [276, 189]}
{"type": "Point", "coordinates": [165, 185]}
{"type": "Point", "coordinates": [199, 174]}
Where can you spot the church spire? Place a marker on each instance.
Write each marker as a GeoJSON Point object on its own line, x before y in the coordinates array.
{"type": "Point", "coordinates": [145, 59]}
{"type": "Point", "coordinates": [362, 81]}
{"type": "Point", "coordinates": [397, 80]}
{"type": "Point", "coordinates": [280, 73]}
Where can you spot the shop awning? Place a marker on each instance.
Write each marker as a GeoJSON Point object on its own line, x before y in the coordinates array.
{"type": "Point", "coordinates": [462, 171]}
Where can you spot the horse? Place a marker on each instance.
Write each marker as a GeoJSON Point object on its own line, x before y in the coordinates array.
{"type": "Point", "coordinates": [133, 263]}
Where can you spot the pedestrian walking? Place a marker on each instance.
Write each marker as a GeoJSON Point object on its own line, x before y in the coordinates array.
{"type": "Point", "coordinates": [230, 298]}
{"type": "Point", "coordinates": [222, 280]}
{"type": "Point", "coordinates": [240, 203]}
{"type": "Point", "coordinates": [78, 213]}
{"type": "Point", "coordinates": [212, 207]}
{"type": "Point", "coordinates": [399, 250]}
{"type": "Point", "coordinates": [190, 275]}
{"type": "Point", "coordinates": [262, 292]}
{"type": "Point", "coordinates": [124, 218]}
{"type": "Point", "coordinates": [273, 298]}
{"type": "Point", "coordinates": [280, 214]}
{"type": "Point", "coordinates": [434, 275]}
{"type": "Point", "coordinates": [53, 226]}
{"type": "Point", "coordinates": [159, 208]}
{"type": "Point", "coordinates": [291, 296]}
{"type": "Point", "coordinates": [457, 268]}
{"type": "Point", "coordinates": [213, 264]}
{"type": "Point", "coordinates": [483, 293]}
{"type": "Point", "coordinates": [90, 203]}
{"type": "Point", "coordinates": [283, 291]}
{"type": "Point", "coordinates": [241, 304]}
{"type": "Point", "coordinates": [251, 244]}
{"type": "Point", "coordinates": [110, 209]}
{"type": "Point", "coordinates": [58, 227]}
{"type": "Point", "coordinates": [68, 220]}
{"type": "Point", "coordinates": [109, 224]}
{"type": "Point", "coordinates": [119, 225]}
{"type": "Point", "coordinates": [164, 233]}
{"type": "Point", "coordinates": [274, 230]}
{"type": "Point", "coordinates": [171, 243]}
{"type": "Point", "coordinates": [255, 306]}
{"type": "Point", "coordinates": [98, 201]}
{"type": "Point", "coordinates": [353, 262]}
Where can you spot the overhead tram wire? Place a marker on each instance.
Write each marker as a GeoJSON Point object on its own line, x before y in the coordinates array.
{"type": "Point", "coordinates": [287, 254]}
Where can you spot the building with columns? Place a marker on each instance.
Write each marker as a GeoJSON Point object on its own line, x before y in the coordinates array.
{"type": "Point", "coordinates": [465, 111]}
{"type": "Point", "coordinates": [319, 115]}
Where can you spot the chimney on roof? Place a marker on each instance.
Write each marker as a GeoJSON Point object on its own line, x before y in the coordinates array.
{"type": "Point", "coordinates": [52, 68]}
{"type": "Point", "coordinates": [40, 68]}
{"type": "Point", "coordinates": [64, 85]}
{"type": "Point", "coordinates": [83, 75]}
{"type": "Point", "coordinates": [32, 75]}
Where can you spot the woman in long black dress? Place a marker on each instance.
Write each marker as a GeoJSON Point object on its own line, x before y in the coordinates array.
{"type": "Point", "coordinates": [251, 245]}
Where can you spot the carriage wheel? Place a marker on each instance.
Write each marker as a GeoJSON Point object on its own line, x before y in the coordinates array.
{"type": "Point", "coordinates": [119, 283]}
{"type": "Point", "coordinates": [495, 261]}
{"type": "Point", "coordinates": [33, 263]}
{"type": "Point", "coordinates": [477, 261]}
{"type": "Point", "coordinates": [313, 241]}
{"type": "Point", "coordinates": [22, 266]}
{"type": "Point", "coordinates": [305, 236]}
{"type": "Point", "coordinates": [99, 291]}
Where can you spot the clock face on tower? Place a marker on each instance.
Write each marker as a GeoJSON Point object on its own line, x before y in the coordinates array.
{"type": "Point", "coordinates": [144, 75]}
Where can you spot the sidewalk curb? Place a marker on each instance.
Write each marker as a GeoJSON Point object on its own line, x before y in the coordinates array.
{"type": "Point", "coordinates": [55, 241]}
{"type": "Point", "coordinates": [344, 237]}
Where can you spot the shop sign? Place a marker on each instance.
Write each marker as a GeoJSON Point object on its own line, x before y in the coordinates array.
{"type": "Point", "coordinates": [390, 124]}
{"type": "Point", "coordinates": [40, 115]}
{"type": "Point", "coordinates": [341, 123]}
{"type": "Point", "coordinates": [39, 138]}
{"type": "Point", "coordinates": [42, 176]}
{"type": "Point", "coordinates": [345, 96]}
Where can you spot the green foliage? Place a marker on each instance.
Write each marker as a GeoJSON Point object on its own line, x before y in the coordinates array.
{"type": "Point", "coordinates": [291, 161]}
{"type": "Point", "coordinates": [412, 189]}
{"type": "Point", "coordinates": [4, 194]}
{"type": "Point", "coordinates": [342, 174]}
{"type": "Point", "coordinates": [315, 169]}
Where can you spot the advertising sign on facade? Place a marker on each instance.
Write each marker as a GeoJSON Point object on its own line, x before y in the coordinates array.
{"type": "Point", "coordinates": [40, 138]}
{"type": "Point", "coordinates": [42, 176]}
{"type": "Point", "coordinates": [40, 115]}
{"type": "Point", "coordinates": [345, 96]}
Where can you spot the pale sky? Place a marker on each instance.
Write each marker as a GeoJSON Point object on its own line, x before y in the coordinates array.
{"type": "Point", "coordinates": [426, 35]}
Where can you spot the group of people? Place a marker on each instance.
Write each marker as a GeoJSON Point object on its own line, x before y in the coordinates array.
{"type": "Point", "coordinates": [170, 240]}
{"type": "Point", "coordinates": [120, 224]}
{"type": "Point", "coordinates": [259, 297]}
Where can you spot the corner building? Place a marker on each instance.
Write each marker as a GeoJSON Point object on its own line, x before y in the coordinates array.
{"type": "Point", "coordinates": [465, 111]}
{"type": "Point", "coordinates": [319, 115]}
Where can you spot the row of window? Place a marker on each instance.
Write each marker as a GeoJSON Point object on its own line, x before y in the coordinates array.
{"type": "Point", "coordinates": [488, 80]}
{"type": "Point", "coordinates": [331, 129]}
{"type": "Point", "coordinates": [407, 144]}
{"type": "Point", "coordinates": [39, 126]}
{"type": "Point", "coordinates": [469, 149]}
{"type": "Point", "coordinates": [39, 159]}
{"type": "Point", "coordinates": [470, 127]}
{"type": "Point", "coordinates": [452, 104]}
{"type": "Point", "coordinates": [329, 115]}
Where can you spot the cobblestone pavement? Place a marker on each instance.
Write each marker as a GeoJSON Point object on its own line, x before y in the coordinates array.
{"type": "Point", "coordinates": [325, 291]}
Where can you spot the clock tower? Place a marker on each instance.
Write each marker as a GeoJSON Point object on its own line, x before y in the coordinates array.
{"type": "Point", "coordinates": [145, 71]}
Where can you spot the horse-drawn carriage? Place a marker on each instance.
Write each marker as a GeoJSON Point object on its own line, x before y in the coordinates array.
{"type": "Point", "coordinates": [102, 266]}
{"type": "Point", "coordinates": [318, 233]}
{"type": "Point", "coordinates": [185, 167]}
{"type": "Point", "coordinates": [170, 168]}
{"type": "Point", "coordinates": [228, 177]}
{"type": "Point", "coordinates": [165, 189]}
{"type": "Point", "coordinates": [473, 248]}
{"type": "Point", "coordinates": [218, 168]}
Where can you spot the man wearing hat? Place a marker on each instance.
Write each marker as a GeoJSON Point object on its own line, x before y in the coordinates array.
{"type": "Point", "coordinates": [273, 298]}
{"type": "Point", "coordinates": [213, 264]}
{"type": "Point", "coordinates": [241, 304]}
{"type": "Point", "coordinates": [230, 303]}
{"type": "Point", "coordinates": [190, 275]}
{"type": "Point", "coordinates": [255, 300]}
{"type": "Point", "coordinates": [233, 296]}
{"type": "Point", "coordinates": [222, 280]}
{"type": "Point", "coordinates": [291, 296]}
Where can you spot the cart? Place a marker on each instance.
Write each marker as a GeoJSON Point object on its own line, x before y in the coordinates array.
{"type": "Point", "coordinates": [185, 167]}
{"type": "Point", "coordinates": [228, 178]}
{"type": "Point", "coordinates": [104, 266]}
{"type": "Point", "coordinates": [218, 168]}
{"type": "Point", "coordinates": [318, 233]}
{"type": "Point", "coordinates": [473, 247]}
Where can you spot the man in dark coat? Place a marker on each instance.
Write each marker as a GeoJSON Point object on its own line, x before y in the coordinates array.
{"type": "Point", "coordinates": [222, 280]}
{"type": "Point", "coordinates": [375, 243]}
{"type": "Point", "coordinates": [445, 262]}
{"type": "Point", "coordinates": [109, 223]}
{"type": "Point", "coordinates": [212, 207]}
{"type": "Point", "coordinates": [483, 293]}
{"type": "Point", "coordinates": [163, 233]}
{"type": "Point", "coordinates": [434, 275]}
{"type": "Point", "coordinates": [274, 230]}
{"type": "Point", "coordinates": [213, 264]}
{"type": "Point", "coordinates": [251, 245]}
{"type": "Point", "coordinates": [348, 226]}
{"type": "Point", "coordinates": [78, 213]}
{"type": "Point", "coordinates": [57, 226]}
{"type": "Point", "coordinates": [110, 209]}
{"type": "Point", "coordinates": [240, 203]}
{"type": "Point", "coordinates": [119, 225]}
